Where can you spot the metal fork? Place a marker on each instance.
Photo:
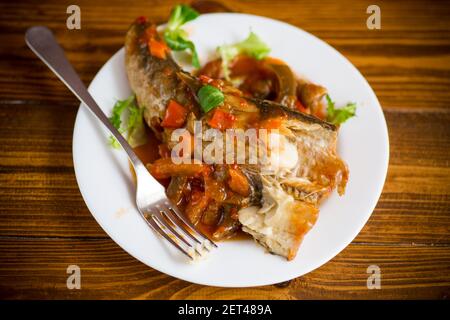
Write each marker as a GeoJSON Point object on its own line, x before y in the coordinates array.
{"type": "Point", "coordinates": [152, 203]}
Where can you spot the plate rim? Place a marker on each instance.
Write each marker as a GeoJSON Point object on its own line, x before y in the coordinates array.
{"type": "Point", "coordinates": [339, 248]}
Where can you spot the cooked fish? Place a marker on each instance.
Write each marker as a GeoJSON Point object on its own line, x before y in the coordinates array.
{"type": "Point", "coordinates": [291, 195]}
{"type": "Point", "coordinates": [283, 194]}
{"type": "Point", "coordinates": [153, 80]}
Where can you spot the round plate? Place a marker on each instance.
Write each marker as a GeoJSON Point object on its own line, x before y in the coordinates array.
{"type": "Point", "coordinates": [104, 177]}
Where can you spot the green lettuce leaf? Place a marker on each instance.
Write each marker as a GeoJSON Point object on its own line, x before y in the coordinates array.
{"type": "Point", "coordinates": [175, 37]}
{"type": "Point", "coordinates": [181, 14]}
{"type": "Point", "coordinates": [339, 116]}
{"type": "Point", "coordinates": [137, 135]}
{"type": "Point", "coordinates": [133, 115]}
{"type": "Point", "coordinates": [252, 46]}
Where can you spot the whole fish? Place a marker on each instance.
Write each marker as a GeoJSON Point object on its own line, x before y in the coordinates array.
{"type": "Point", "coordinates": [281, 205]}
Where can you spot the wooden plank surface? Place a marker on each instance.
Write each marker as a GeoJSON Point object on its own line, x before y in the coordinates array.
{"type": "Point", "coordinates": [45, 225]}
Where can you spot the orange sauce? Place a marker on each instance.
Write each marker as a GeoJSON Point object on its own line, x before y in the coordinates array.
{"type": "Point", "coordinates": [148, 153]}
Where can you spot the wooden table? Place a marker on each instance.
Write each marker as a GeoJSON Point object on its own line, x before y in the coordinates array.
{"type": "Point", "coordinates": [45, 225]}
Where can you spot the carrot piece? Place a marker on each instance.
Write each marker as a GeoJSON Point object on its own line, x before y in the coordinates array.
{"type": "Point", "coordinates": [165, 168]}
{"type": "Point", "coordinates": [222, 120]}
{"type": "Point", "coordinates": [175, 115]}
{"type": "Point", "coordinates": [158, 48]}
{"type": "Point", "coordinates": [238, 182]}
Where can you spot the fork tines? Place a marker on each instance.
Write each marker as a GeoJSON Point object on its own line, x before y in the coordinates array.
{"type": "Point", "coordinates": [170, 223]}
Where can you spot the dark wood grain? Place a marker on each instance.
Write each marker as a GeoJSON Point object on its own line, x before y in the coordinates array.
{"type": "Point", "coordinates": [108, 272]}
{"type": "Point", "coordinates": [45, 225]}
{"type": "Point", "coordinates": [409, 54]}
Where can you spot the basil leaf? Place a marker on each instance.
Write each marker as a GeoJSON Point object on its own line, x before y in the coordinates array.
{"type": "Point", "coordinates": [209, 97]}
{"type": "Point", "coordinates": [177, 42]}
{"type": "Point", "coordinates": [339, 116]}
{"type": "Point", "coordinates": [175, 37]}
{"type": "Point", "coordinates": [180, 15]}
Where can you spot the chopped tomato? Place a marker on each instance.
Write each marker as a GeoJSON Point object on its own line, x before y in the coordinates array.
{"type": "Point", "coordinates": [272, 123]}
{"type": "Point", "coordinates": [156, 46]}
{"type": "Point", "coordinates": [208, 80]}
{"type": "Point", "coordinates": [300, 107]}
{"type": "Point", "coordinates": [222, 120]}
{"type": "Point", "coordinates": [175, 115]}
{"type": "Point", "coordinates": [205, 79]}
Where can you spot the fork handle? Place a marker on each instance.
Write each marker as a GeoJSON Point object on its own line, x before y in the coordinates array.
{"type": "Point", "coordinates": [42, 42]}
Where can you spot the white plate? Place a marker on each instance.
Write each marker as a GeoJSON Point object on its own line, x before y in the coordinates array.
{"type": "Point", "coordinates": [104, 177]}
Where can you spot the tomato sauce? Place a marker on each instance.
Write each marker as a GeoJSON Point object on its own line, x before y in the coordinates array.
{"type": "Point", "coordinates": [148, 153]}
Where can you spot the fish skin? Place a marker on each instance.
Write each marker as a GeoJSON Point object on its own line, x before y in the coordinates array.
{"type": "Point", "coordinates": [156, 81]}
{"type": "Point", "coordinates": [267, 109]}
{"type": "Point", "coordinates": [153, 80]}
{"type": "Point", "coordinates": [270, 109]}
{"type": "Point", "coordinates": [311, 128]}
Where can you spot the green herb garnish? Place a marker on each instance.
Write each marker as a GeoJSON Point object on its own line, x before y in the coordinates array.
{"type": "Point", "coordinates": [209, 97]}
{"type": "Point", "coordinates": [137, 135]}
{"type": "Point", "coordinates": [119, 107]}
{"type": "Point", "coordinates": [113, 141]}
{"type": "Point", "coordinates": [135, 123]}
{"type": "Point", "coordinates": [252, 46]}
{"type": "Point", "coordinates": [338, 116]}
{"type": "Point", "coordinates": [175, 37]}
